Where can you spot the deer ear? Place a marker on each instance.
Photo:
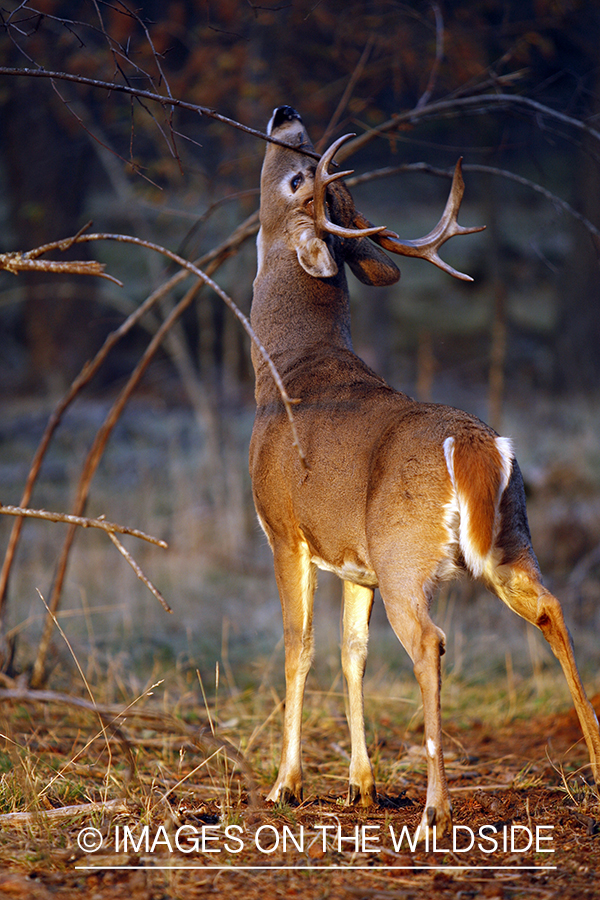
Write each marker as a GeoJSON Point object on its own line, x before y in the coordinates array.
{"type": "Point", "coordinates": [370, 264]}
{"type": "Point", "coordinates": [315, 258]}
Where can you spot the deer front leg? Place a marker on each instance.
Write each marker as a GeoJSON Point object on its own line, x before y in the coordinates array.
{"type": "Point", "coordinates": [296, 581]}
{"type": "Point", "coordinates": [358, 602]}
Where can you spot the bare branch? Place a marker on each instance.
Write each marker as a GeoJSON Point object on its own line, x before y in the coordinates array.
{"type": "Point", "coordinates": [18, 262]}
{"type": "Point", "coordinates": [210, 263]}
{"type": "Point", "coordinates": [387, 171]}
{"type": "Point", "coordinates": [82, 521]}
{"type": "Point", "coordinates": [157, 98]}
{"type": "Point", "coordinates": [439, 55]}
{"type": "Point", "coordinates": [126, 555]}
{"type": "Point", "coordinates": [348, 92]}
{"type": "Point", "coordinates": [109, 527]}
{"type": "Point", "coordinates": [97, 449]}
{"type": "Point", "coordinates": [70, 106]}
{"type": "Point", "coordinates": [479, 104]}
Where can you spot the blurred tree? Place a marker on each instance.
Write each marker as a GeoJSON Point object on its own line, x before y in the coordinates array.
{"type": "Point", "coordinates": [361, 62]}
{"type": "Point", "coordinates": [578, 332]}
{"type": "Point", "coordinates": [47, 171]}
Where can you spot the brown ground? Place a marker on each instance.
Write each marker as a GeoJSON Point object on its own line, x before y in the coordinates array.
{"type": "Point", "coordinates": [500, 775]}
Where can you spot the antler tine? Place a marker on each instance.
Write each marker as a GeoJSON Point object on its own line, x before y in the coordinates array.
{"type": "Point", "coordinates": [427, 247]}
{"type": "Point", "coordinates": [322, 180]}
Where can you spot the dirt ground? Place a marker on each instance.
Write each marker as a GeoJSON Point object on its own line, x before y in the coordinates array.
{"type": "Point", "coordinates": [518, 781]}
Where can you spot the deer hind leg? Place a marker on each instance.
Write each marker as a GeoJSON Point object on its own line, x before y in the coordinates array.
{"type": "Point", "coordinates": [425, 644]}
{"type": "Point", "coordinates": [358, 602]}
{"type": "Point", "coordinates": [296, 581]}
{"type": "Point", "coordinates": [520, 588]}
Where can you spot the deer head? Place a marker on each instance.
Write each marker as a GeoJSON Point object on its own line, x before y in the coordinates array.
{"type": "Point", "coordinates": [312, 211]}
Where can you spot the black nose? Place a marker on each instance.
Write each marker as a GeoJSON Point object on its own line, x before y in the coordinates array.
{"type": "Point", "coordinates": [284, 114]}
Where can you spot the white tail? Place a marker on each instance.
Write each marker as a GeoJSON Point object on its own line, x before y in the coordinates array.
{"type": "Point", "coordinates": [396, 494]}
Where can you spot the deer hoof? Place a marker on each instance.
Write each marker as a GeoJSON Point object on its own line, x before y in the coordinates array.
{"type": "Point", "coordinates": [438, 818]}
{"type": "Point", "coordinates": [288, 798]}
{"type": "Point", "coordinates": [358, 797]}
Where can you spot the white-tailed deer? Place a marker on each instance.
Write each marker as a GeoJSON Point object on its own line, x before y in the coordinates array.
{"type": "Point", "coordinates": [394, 494]}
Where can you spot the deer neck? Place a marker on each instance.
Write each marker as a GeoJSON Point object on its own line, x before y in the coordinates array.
{"type": "Point", "coordinates": [296, 317]}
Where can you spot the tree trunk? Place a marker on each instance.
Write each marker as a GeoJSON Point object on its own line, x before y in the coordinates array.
{"type": "Point", "coordinates": [578, 344]}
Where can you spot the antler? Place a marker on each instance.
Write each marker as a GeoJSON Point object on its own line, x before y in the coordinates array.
{"type": "Point", "coordinates": [426, 247]}
{"type": "Point", "coordinates": [322, 181]}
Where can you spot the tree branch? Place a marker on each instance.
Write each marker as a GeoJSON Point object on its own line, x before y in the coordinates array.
{"type": "Point", "coordinates": [387, 171]}
{"type": "Point", "coordinates": [157, 98]}
{"type": "Point", "coordinates": [209, 262]}
{"type": "Point", "coordinates": [82, 521]}
{"type": "Point", "coordinates": [20, 262]}
{"type": "Point", "coordinates": [479, 104]}
{"type": "Point", "coordinates": [109, 527]}
{"type": "Point", "coordinates": [439, 55]}
{"type": "Point", "coordinates": [97, 449]}
{"type": "Point", "coordinates": [127, 556]}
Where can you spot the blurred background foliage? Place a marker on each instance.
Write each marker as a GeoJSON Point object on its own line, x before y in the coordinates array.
{"type": "Point", "coordinates": [519, 347]}
{"type": "Point", "coordinates": [68, 150]}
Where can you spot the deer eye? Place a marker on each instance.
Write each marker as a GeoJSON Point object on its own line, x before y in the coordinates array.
{"type": "Point", "coordinates": [296, 181]}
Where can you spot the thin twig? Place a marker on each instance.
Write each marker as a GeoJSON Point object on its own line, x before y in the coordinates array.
{"type": "Point", "coordinates": [82, 521]}
{"type": "Point", "coordinates": [439, 55]}
{"type": "Point", "coordinates": [358, 70]}
{"type": "Point", "coordinates": [18, 262]}
{"type": "Point", "coordinates": [126, 555]}
{"type": "Point", "coordinates": [162, 77]}
{"type": "Point", "coordinates": [63, 812]}
{"type": "Point", "coordinates": [157, 98]}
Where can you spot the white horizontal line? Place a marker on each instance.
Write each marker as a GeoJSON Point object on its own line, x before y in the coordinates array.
{"type": "Point", "coordinates": [323, 868]}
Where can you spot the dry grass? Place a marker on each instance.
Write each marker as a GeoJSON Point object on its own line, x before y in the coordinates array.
{"type": "Point", "coordinates": [184, 754]}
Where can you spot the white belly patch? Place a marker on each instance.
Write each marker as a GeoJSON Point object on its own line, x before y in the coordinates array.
{"type": "Point", "coordinates": [349, 571]}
